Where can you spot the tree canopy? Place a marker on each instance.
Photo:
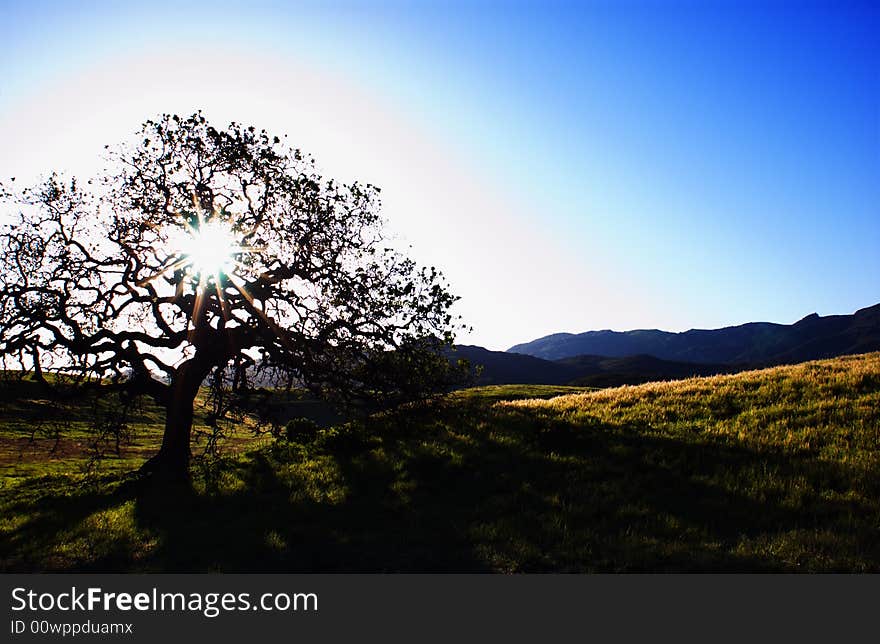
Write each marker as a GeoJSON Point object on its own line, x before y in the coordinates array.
{"type": "Point", "coordinates": [205, 250]}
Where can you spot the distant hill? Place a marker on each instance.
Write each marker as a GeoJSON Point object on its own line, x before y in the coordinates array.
{"type": "Point", "coordinates": [601, 371]}
{"type": "Point", "coordinates": [756, 343]}
{"type": "Point", "coordinates": [503, 368]}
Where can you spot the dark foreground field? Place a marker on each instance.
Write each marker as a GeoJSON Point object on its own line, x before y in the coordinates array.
{"type": "Point", "coordinates": [774, 470]}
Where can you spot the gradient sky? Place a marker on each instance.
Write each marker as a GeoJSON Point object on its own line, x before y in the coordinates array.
{"type": "Point", "coordinates": [569, 166]}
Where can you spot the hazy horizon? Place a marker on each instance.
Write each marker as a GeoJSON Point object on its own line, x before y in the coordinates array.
{"type": "Point", "coordinates": [570, 168]}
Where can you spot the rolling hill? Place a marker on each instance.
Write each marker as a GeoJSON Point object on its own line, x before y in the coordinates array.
{"type": "Point", "coordinates": [503, 368]}
{"type": "Point", "coordinates": [601, 371]}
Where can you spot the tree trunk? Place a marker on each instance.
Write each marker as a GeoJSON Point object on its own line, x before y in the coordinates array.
{"type": "Point", "coordinates": [172, 461]}
{"type": "Point", "coordinates": [38, 369]}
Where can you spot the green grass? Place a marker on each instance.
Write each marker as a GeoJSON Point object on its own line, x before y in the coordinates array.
{"type": "Point", "coordinates": [773, 470]}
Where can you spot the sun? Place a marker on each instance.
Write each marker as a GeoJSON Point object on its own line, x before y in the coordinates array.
{"type": "Point", "coordinates": [209, 253]}
{"type": "Point", "coordinates": [206, 251]}
{"type": "Point", "coordinates": [210, 249]}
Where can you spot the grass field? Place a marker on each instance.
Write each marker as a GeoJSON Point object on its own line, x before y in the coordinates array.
{"type": "Point", "coordinates": [772, 470]}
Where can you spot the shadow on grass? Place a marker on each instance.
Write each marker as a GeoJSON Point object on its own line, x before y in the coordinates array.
{"type": "Point", "coordinates": [480, 490]}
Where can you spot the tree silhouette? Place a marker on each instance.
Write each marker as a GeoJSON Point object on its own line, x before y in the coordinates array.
{"type": "Point", "coordinates": [217, 251]}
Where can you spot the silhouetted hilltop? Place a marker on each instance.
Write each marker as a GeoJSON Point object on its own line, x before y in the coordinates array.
{"type": "Point", "coordinates": [755, 343]}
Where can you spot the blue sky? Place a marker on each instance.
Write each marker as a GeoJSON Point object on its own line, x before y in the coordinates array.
{"type": "Point", "coordinates": [571, 166]}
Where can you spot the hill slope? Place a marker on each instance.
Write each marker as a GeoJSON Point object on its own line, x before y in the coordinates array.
{"type": "Point", "coordinates": [600, 371]}
{"type": "Point", "coordinates": [772, 470]}
{"type": "Point", "coordinates": [813, 337]}
{"type": "Point", "coordinates": [503, 368]}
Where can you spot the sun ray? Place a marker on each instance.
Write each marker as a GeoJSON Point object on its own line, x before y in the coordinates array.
{"type": "Point", "coordinates": [221, 297]}
{"type": "Point", "coordinates": [198, 307]}
{"type": "Point", "coordinates": [162, 271]}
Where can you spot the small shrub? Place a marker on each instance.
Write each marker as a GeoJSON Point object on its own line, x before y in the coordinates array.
{"type": "Point", "coordinates": [301, 430]}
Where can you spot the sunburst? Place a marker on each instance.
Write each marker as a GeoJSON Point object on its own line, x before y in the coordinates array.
{"type": "Point", "coordinates": [210, 248]}
{"type": "Point", "coordinates": [208, 252]}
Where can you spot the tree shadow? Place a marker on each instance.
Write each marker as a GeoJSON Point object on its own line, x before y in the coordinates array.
{"type": "Point", "coordinates": [50, 517]}
{"type": "Point", "coordinates": [452, 493]}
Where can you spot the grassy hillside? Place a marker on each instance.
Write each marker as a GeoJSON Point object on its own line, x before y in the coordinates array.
{"type": "Point", "coordinates": [773, 470]}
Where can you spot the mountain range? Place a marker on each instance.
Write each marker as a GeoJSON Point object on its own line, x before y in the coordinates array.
{"type": "Point", "coordinates": [608, 358]}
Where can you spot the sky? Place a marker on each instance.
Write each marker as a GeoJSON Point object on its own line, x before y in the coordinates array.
{"type": "Point", "coordinates": [568, 166]}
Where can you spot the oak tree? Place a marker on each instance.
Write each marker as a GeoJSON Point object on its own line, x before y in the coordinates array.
{"type": "Point", "coordinates": [218, 251]}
